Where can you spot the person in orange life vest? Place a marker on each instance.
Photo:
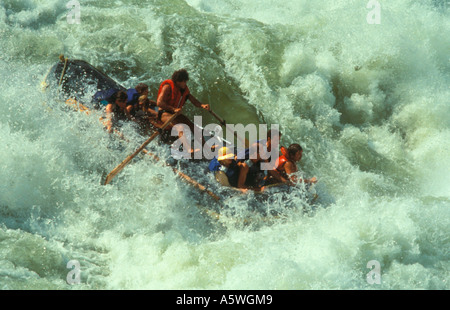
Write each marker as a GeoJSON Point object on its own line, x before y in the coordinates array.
{"type": "Point", "coordinates": [172, 95]}
{"type": "Point", "coordinates": [274, 175]}
{"type": "Point", "coordinates": [286, 164]}
{"type": "Point", "coordinates": [117, 109]}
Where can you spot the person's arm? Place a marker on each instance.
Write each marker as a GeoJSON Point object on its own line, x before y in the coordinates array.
{"type": "Point", "coordinates": [197, 103]}
{"type": "Point", "coordinates": [312, 180]}
{"type": "Point", "coordinates": [243, 170]}
{"type": "Point", "coordinates": [291, 168]}
{"type": "Point", "coordinates": [164, 98]}
{"type": "Point", "coordinates": [277, 176]}
{"type": "Point", "coordinates": [109, 114]}
{"type": "Point", "coordinates": [128, 112]}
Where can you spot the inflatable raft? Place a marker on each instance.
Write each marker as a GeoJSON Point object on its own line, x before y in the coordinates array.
{"type": "Point", "coordinates": [77, 84]}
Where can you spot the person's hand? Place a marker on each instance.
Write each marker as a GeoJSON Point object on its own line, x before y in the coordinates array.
{"type": "Point", "coordinates": [176, 110]}
{"type": "Point", "coordinates": [313, 180]}
{"type": "Point", "coordinates": [206, 107]}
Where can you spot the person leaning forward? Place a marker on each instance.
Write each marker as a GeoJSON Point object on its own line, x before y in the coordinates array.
{"type": "Point", "coordinates": [251, 174]}
{"type": "Point", "coordinates": [286, 164]}
{"type": "Point", "coordinates": [117, 109]}
{"type": "Point", "coordinates": [172, 95]}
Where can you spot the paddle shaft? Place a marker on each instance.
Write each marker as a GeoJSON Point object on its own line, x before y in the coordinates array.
{"type": "Point", "coordinates": [64, 60]}
{"type": "Point", "coordinates": [181, 174]}
{"type": "Point", "coordinates": [119, 168]}
{"type": "Point", "coordinates": [187, 178]}
{"type": "Point", "coordinates": [223, 123]}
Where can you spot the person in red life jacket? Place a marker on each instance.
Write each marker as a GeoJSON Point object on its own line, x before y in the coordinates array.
{"type": "Point", "coordinates": [286, 164]}
{"type": "Point", "coordinates": [172, 95]}
{"type": "Point", "coordinates": [117, 109]}
{"type": "Point", "coordinates": [273, 175]}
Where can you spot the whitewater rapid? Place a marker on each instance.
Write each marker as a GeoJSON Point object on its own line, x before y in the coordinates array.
{"type": "Point", "coordinates": [367, 101]}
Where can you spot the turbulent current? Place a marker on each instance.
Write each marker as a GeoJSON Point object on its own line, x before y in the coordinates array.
{"type": "Point", "coordinates": [362, 85]}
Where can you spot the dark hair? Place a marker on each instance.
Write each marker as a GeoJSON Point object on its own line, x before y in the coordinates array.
{"type": "Point", "coordinates": [293, 149]}
{"type": "Point", "coordinates": [180, 76]}
{"type": "Point", "coordinates": [275, 131]}
{"type": "Point", "coordinates": [118, 95]}
{"type": "Point", "coordinates": [141, 87]}
{"type": "Point", "coordinates": [254, 149]}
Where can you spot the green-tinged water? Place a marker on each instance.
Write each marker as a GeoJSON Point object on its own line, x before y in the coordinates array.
{"type": "Point", "coordinates": [369, 103]}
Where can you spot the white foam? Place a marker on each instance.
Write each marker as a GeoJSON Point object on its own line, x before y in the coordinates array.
{"type": "Point", "coordinates": [368, 103]}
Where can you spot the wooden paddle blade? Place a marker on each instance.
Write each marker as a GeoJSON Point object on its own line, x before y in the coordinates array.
{"type": "Point", "coordinates": [116, 170]}
{"type": "Point", "coordinates": [122, 165]}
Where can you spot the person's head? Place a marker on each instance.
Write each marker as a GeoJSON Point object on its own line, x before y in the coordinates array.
{"type": "Point", "coordinates": [142, 89]}
{"type": "Point", "coordinates": [225, 156]}
{"type": "Point", "coordinates": [295, 152]}
{"type": "Point", "coordinates": [180, 78]}
{"type": "Point", "coordinates": [255, 151]}
{"type": "Point", "coordinates": [143, 101]}
{"type": "Point", "coordinates": [120, 98]}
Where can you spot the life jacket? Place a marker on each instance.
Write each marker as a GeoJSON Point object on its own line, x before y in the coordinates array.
{"type": "Point", "coordinates": [281, 161]}
{"type": "Point", "coordinates": [102, 96]}
{"type": "Point", "coordinates": [177, 99]}
{"type": "Point", "coordinates": [133, 96]}
{"type": "Point", "coordinates": [232, 172]}
{"type": "Point", "coordinates": [214, 165]}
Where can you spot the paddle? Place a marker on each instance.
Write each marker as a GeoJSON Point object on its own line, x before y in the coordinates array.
{"type": "Point", "coordinates": [119, 168]}
{"type": "Point", "coordinates": [186, 177]}
{"type": "Point", "coordinates": [223, 123]}
{"type": "Point", "coordinates": [64, 60]}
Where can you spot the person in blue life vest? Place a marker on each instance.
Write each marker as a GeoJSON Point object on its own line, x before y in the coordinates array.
{"type": "Point", "coordinates": [225, 167]}
{"type": "Point", "coordinates": [117, 110]}
{"type": "Point", "coordinates": [134, 94]}
{"type": "Point", "coordinates": [101, 97]}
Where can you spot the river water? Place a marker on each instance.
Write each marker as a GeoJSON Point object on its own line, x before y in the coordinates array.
{"type": "Point", "coordinates": [363, 88]}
